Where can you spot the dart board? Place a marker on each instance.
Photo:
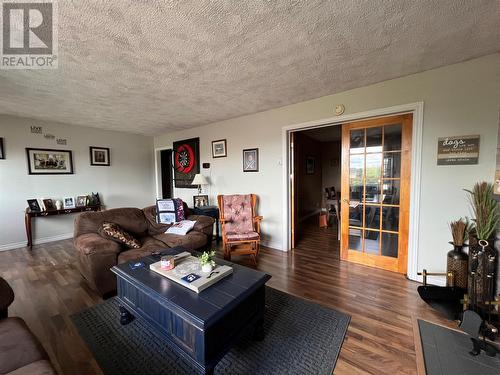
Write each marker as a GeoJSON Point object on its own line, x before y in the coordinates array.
{"type": "Point", "coordinates": [186, 162]}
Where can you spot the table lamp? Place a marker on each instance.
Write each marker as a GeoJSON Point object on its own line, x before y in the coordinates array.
{"type": "Point", "coordinates": [199, 180]}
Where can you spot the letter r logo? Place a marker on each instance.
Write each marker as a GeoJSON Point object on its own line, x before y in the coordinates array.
{"type": "Point", "coordinates": [27, 28]}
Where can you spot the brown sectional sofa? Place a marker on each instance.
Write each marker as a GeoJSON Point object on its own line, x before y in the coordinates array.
{"type": "Point", "coordinates": [96, 255]}
{"type": "Point", "coordinates": [20, 351]}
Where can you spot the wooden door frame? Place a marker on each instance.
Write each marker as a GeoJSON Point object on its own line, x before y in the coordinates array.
{"type": "Point", "coordinates": [400, 263]}
{"type": "Point", "coordinates": [417, 109]}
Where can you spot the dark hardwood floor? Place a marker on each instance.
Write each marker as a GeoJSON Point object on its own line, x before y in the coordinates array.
{"type": "Point", "coordinates": [383, 305]}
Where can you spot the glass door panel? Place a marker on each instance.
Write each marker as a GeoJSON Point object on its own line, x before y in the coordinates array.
{"type": "Point", "coordinates": [372, 184]}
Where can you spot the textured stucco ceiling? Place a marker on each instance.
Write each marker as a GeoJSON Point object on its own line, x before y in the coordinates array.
{"type": "Point", "coordinates": [156, 66]}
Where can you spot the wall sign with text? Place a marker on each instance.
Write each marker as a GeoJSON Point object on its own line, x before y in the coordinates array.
{"type": "Point", "coordinates": [461, 150]}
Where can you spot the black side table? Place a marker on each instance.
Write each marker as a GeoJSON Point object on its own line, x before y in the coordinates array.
{"type": "Point", "coordinates": [212, 211]}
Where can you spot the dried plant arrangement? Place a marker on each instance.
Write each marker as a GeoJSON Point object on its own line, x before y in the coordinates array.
{"type": "Point", "coordinates": [484, 209]}
{"type": "Point", "coordinates": [460, 231]}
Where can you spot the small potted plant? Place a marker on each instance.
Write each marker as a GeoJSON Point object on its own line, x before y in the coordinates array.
{"type": "Point", "coordinates": [206, 261]}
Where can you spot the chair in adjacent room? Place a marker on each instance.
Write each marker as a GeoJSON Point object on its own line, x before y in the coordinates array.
{"type": "Point", "coordinates": [240, 225]}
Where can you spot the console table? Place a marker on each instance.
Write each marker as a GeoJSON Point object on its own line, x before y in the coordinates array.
{"type": "Point", "coordinates": [29, 215]}
{"type": "Point", "coordinates": [212, 211]}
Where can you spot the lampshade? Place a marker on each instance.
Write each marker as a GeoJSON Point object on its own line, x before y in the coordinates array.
{"type": "Point", "coordinates": [199, 179]}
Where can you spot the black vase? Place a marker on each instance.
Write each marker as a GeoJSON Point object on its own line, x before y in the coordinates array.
{"type": "Point", "coordinates": [457, 262]}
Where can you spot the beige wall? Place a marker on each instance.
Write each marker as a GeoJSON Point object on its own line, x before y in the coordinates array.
{"type": "Point", "coordinates": [129, 181]}
{"type": "Point", "coordinates": [458, 99]}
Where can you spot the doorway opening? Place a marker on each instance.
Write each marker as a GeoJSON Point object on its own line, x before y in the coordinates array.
{"type": "Point", "coordinates": [350, 190]}
{"type": "Point", "coordinates": [167, 174]}
{"type": "Point", "coordinates": [316, 188]}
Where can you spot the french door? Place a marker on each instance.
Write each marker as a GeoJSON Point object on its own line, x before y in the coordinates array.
{"type": "Point", "coordinates": [376, 172]}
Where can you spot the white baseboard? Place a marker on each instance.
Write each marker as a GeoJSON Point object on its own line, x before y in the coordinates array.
{"type": "Point", "coordinates": [38, 241]}
{"type": "Point", "coordinates": [272, 244]}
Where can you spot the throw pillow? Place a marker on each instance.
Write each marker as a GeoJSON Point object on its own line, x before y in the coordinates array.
{"type": "Point", "coordinates": [181, 227]}
{"type": "Point", "coordinates": [169, 210]}
{"type": "Point", "coordinates": [114, 232]}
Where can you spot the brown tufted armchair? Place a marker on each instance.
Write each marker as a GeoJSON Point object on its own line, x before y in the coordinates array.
{"type": "Point", "coordinates": [240, 225]}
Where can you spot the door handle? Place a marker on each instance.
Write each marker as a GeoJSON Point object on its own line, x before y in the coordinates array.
{"type": "Point", "coordinates": [345, 200]}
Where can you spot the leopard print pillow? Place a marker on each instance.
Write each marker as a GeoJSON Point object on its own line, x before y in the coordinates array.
{"type": "Point", "coordinates": [114, 232]}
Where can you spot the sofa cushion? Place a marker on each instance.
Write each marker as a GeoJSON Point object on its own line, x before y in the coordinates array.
{"type": "Point", "coordinates": [18, 346]}
{"type": "Point", "coordinates": [231, 236]}
{"type": "Point", "coordinates": [42, 367]}
{"type": "Point", "coordinates": [238, 213]}
{"type": "Point", "coordinates": [192, 240]}
{"type": "Point", "coordinates": [113, 231]}
{"type": "Point", "coordinates": [149, 245]}
{"type": "Point", "coordinates": [130, 219]}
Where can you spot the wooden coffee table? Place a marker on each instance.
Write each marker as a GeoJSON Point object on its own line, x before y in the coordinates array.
{"type": "Point", "coordinates": [200, 327]}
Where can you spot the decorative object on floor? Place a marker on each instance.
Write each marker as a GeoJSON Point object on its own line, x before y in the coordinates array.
{"type": "Point", "coordinates": [69, 202]}
{"type": "Point", "coordinates": [136, 348]}
{"type": "Point", "coordinates": [186, 162]}
{"type": "Point", "coordinates": [169, 210]}
{"type": "Point", "coordinates": [2, 151]}
{"type": "Point", "coordinates": [219, 148]}
{"type": "Point", "coordinates": [49, 204]}
{"type": "Point", "coordinates": [251, 160]}
{"type": "Point", "coordinates": [310, 164]}
{"type": "Point", "coordinates": [457, 260]}
{"type": "Point", "coordinates": [34, 206]}
{"type": "Point", "coordinates": [240, 225]}
{"type": "Point", "coordinates": [99, 156]}
{"type": "Point", "coordinates": [446, 351]}
{"type": "Point", "coordinates": [482, 254]}
{"type": "Point", "coordinates": [206, 261]}
{"type": "Point", "coordinates": [199, 180]}
{"type": "Point", "coordinates": [445, 299]}
{"type": "Point", "coordinates": [81, 201]}
{"type": "Point", "coordinates": [473, 325]}
{"type": "Point", "coordinates": [200, 201]}
{"type": "Point", "coordinates": [48, 161]}
{"type": "Point", "coordinates": [462, 150]}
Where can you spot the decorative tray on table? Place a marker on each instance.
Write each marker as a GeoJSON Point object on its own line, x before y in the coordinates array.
{"type": "Point", "coordinates": [187, 272]}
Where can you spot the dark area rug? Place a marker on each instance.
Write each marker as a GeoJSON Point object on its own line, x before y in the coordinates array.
{"type": "Point", "coordinates": [301, 338]}
{"type": "Point", "coordinates": [447, 352]}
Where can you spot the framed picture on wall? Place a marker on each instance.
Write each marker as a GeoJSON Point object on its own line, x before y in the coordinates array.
{"type": "Point", "coordinates": [99, 156]}
{"type": "Point", "coordinates": [310, 164]}
{"type": "Point", "coordinates": [251, 160]}
{"type": "Point", "coordinates": [186, 162]}
{"type": "Point", "coordinates": [48, 161]}
{"type": "Point", "coordinates": [219, 148]}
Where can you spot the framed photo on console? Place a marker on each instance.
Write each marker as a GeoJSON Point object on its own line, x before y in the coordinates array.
{"type": "Point", "coordinates": [99, 156]}
{"type": "Point", "coordinates": [48, 161]}
{"type": "Point", "coordinates": [219, 148]}
{"type": "Point", "coordinates": [200, 201]}
{"type": "Point", "coordinates": [69, 202]}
